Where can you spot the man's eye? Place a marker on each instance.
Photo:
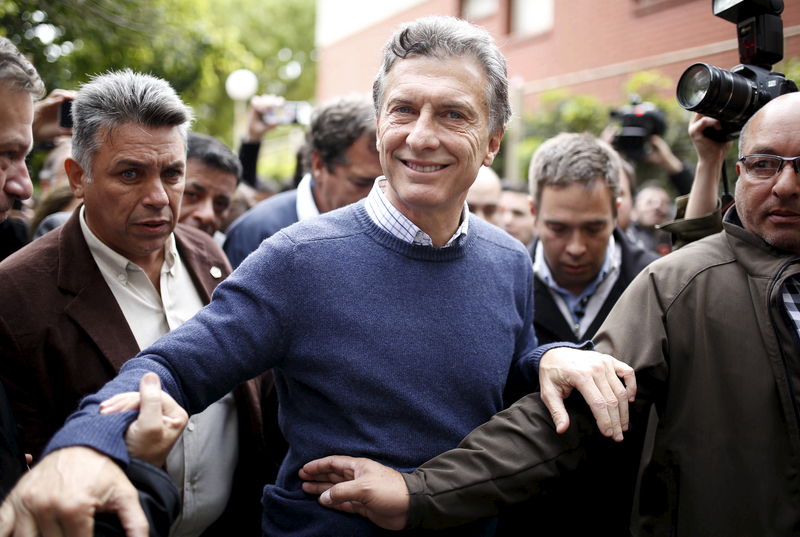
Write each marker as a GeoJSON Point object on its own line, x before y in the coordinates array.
{"type": "Point", "coordinates": [403, 109]}
{"type": "Point", "coordinates": [128, 174]}
{"type": "Point", "coordinates": [192, 196]}
{"type": "Point", "coordinates": [764, 164]}
{"type": "Point", "coordinates": [173, 175]}
{"type": "Point", "coordinates": [455, 115]}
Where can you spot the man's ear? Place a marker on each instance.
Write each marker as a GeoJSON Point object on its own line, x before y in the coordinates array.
{"type": "Point", "coordinates": [317, 166]}
{"type": "Point", "coordinates": [76, 176]}
{"type": "Point", "coordinates": [494, 147]}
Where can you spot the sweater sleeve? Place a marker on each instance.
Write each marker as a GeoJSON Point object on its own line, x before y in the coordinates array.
{"type": "Point", "coordinates": [239, 335]}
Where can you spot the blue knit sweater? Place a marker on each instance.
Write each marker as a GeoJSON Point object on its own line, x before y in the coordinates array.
{"type": "Point", "coordinates": [380, 349]}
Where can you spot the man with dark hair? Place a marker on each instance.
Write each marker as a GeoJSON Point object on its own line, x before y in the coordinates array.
{"type": "Point", "coordinates": [383, 321]}
{"type": "Point", "coordinates": [342, 162]}
{"type": "Point", "coordinates": [80, 301]}
{"type": "Point", "coordinates": [581, 261]}
{"type": "Point", "coordinates": [212, 173]}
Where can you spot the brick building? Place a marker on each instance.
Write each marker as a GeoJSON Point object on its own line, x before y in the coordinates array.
{"type": "Point", "coordinates": [588, 46]}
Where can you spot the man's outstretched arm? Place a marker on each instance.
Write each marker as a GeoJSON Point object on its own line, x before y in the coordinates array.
{"type": "Point", "coordinates": [506, 460]}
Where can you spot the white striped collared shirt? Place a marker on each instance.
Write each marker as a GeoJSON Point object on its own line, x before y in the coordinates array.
{"type": "Point", "coordinates": [390, 219]}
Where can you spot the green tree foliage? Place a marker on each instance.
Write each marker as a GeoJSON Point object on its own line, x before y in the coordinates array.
{"type": "Point", "coordinates": [194, 44]}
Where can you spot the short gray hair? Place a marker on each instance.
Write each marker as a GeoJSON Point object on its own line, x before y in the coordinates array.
{"type": "Point", "coordinates": [572, 158]}
{"type": "Point", "coordinates": [115, 98]}
{"type": "Point", "coordinates": [17, 72]}
{"type": "Point", "coordinates": [445, 37]}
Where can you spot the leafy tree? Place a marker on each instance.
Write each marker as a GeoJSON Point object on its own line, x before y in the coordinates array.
{"type": "Point", "coordinates": [194, 44]}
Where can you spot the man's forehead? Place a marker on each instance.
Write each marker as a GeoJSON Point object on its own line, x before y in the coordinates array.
{"type": "Point", "coordinates": [134, 139]}
{"type": "Point", "coordinates": [209, 178]}
{"type": "Point", "coordinates": [776, 123]}
{"type": "Point", "coordinates": [16, 117]}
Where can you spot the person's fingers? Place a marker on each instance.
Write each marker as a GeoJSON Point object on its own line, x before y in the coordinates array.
{"type": "Point", "coordinates": [620, 395]}
{"type": "Point", "coordinates": [120, 403]}
{"type": "Point", "coordinates": [7, 519]}
{"type": "Point", "coordinates": [628, 376]}
{"type": "Point", "coordinates": [130, 513]}
{"type": "Point", "coordinates": [316, 487]}
{"type": "Point", "coordinates": [554, 402]}
{"type": "Point", "coordinates": [70, 520]}
{"type": "Point", "coordinates": [334, 468]}
{"type": "Point", "coordinates": [608, 405]}
{"type": "Point", "coordinates": [597, 404]}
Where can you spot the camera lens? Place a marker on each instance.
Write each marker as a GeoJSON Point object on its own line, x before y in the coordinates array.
{"type": "Point", "coordinates": [716, 92]}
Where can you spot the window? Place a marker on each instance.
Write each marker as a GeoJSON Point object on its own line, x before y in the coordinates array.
{"type": "Point", "coordinates": [531, 17]}
{"type": "Point", "coordinates": [477, 9]}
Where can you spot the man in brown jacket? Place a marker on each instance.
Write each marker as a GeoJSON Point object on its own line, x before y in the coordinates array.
{"type": "Point", "coordinates": [79, 302]}
{"type": "Point", "coordinates": [713, 331]}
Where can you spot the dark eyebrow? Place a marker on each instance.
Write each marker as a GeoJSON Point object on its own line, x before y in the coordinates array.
{"type": "Point", "coordinates": [177, 165]}
{"type": "Point", "coordinates": [129, 163]}
{"type": "Point", "coordinates": [197, 186]}
{"type": "Point", "coordinates": [762, 150]}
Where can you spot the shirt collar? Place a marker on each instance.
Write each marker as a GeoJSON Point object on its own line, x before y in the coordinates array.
{"type": "Point", "coordinates": [390, 219]}
{"type": "Point", "coordinates": [118, 262]}
{"type": "Point", "coordinates": [305, 204]}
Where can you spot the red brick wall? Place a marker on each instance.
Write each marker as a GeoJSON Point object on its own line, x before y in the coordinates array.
{"type": "Point", "coordinates": [587, 36]}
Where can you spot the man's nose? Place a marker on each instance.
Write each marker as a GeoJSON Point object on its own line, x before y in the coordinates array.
{"type": "Point", "coordinates": [205, 212]}
{"type": "Point", "coordinates": [156, 195]}
{"type": "Point", "coordinates": [18, 182]}
{"type": "Point", "coordinates": [576, 246]}
{"type": "Point", "coordinates": [423, 133]}
{"type": "Point", "coordinates": [787, 182]}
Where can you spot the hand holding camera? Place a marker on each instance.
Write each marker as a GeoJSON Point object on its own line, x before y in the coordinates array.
{"type": "Point", "coordinates": [734, 96]}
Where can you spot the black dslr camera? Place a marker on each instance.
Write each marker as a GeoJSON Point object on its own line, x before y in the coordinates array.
{"type": "Point", "coordinates": [734, 96]}
{"type": "Point", "coordinates": [639, 120]}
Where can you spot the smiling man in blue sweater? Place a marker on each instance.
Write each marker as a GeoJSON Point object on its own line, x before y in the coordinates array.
{"type": "Point", "coordinates": [392, 325]}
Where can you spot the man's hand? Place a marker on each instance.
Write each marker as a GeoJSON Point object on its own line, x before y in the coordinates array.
{"type": "Point", "coordinates": [62, 493]}
{"type": "Point", "coordinates": [597, 378]}
{"type": "Point", "coordinates": [161, 420]}
{"type": "Point", "coordinates": [708, 174]}
{"type": "Point", "coordinates": [359, 486]}
{"type": "Point", "coordinates": [662, 156]}
{"type": "Point", "coordinates": [45, 116]}
{"type": "Point", "coordinates": [707, 149]}
{"type": "Point", "coordinates": [261, 106]}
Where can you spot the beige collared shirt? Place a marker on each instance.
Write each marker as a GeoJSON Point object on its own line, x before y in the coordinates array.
{"type": "Point", "coordinates": [203, 460]}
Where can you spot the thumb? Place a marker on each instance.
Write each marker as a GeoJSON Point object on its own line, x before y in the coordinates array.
{"type": "Point", "coordinates": [349, 491]}
{"type": "Point", "coordinates": [150, 405]}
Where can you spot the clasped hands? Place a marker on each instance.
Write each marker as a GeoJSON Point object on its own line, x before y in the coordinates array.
{"type": "Point", "coordinates": [62, 493]}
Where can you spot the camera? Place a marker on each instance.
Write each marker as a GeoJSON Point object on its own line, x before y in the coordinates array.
{"type": "Point", "coordinates": [289, 112]}
{"type": "Point", "coordinates": [65, 114]}
{"type": "Point", "coordinates": [734, 96]}
{"type": "Point", "coordinates": [639, 120]}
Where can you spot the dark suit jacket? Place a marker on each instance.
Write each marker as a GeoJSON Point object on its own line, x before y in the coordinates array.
{"type": "Point", "coordinates": [63, 335]}
{"type": "Point", "coordinates": [549, 323]}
